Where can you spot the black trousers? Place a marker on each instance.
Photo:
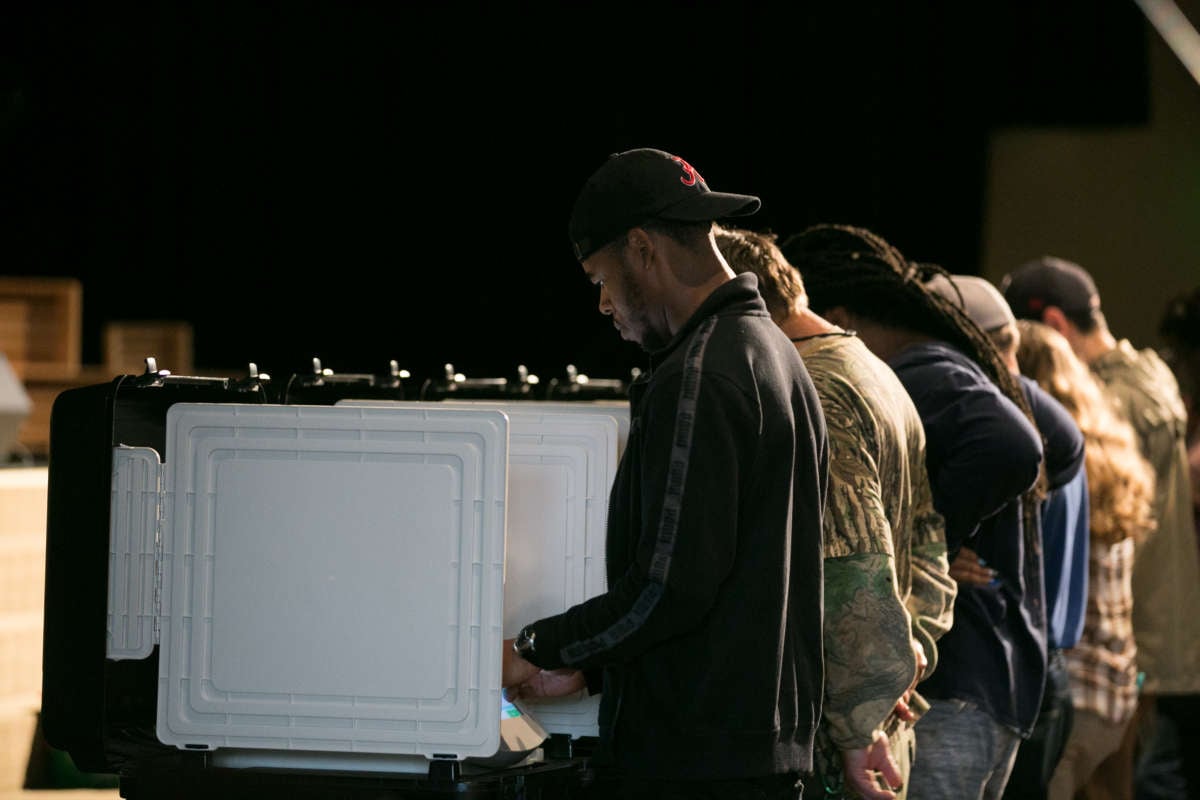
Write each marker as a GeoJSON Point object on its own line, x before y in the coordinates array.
{"type": "Point", "coordinates": [1038, 755]}
{"type": "Point", "coordinates": [1168, 766]}
{"type": "Point", "coordinates": [771, 787]}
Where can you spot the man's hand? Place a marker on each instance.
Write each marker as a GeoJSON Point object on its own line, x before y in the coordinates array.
{"type": "Point", "coordinates": [922, 661]}
{"type": "Point", "coordinates": [903, 711]}
{"type": "Point", "coordinates": [515, 670]}
{"type": "Point", "coordinates": [865, 767]}
{"type": "Point", "coordinates": [969, 569]}
{"type": "Point", "coordinates": [549, 683]}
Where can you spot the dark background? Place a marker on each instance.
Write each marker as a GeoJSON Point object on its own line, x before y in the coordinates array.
{"type": "Point", "coordinates": [362, 182]}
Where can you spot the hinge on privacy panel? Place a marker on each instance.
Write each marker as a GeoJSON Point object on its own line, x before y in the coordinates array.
{"type": "Point", "coordinates": [135, 553]}
{"type": "Point", "coordinates": [158, 563]}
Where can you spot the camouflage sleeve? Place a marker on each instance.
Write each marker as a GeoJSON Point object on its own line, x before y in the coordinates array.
{"type": "Point", "coordinates": [931, 599]}
{"type": "Point", "coordinates": [868, 647]}
{"type": "Point", "coordinates": [868, 654]}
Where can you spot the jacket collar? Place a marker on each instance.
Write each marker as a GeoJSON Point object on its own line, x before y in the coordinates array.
{"type": "Point", "coordinates": [737, 296]}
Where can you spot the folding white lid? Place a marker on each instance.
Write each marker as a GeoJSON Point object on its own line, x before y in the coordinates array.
{"type": "Point", "coordinates": [562, 461]}
{"type": "Point", "coordinates": [331, 577]}
{"type": "Point", "coordinates": [617, 409]}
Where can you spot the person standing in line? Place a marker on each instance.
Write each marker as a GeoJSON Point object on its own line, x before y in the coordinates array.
{"type": "Point", "coordinates": [1157, 756]}
{"type": "Point", "coordinates": [984, 458]}
{"type": "Point", "coordinates": [1180, 330]}
{"type": "Point", "coordinates": [1102, 666]}
{"type": "Point", "coordinates": [888, 593]}
{"type": "Point", "coordinates": [706, 645]}
{"type": "Point", "coordinates": [1064, 537]}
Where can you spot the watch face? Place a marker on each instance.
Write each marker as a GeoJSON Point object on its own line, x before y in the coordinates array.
{"type": "Point", "coordinates": [507, 709]}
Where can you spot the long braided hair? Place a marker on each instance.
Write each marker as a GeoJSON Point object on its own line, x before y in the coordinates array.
{"type": "Point", "coordinates": [853, 267]}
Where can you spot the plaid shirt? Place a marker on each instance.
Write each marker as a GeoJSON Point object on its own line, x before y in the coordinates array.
{"type": "Point", "coordinates": [1103, 664]}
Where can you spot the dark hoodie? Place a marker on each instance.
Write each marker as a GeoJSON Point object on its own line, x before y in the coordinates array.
{"type": "Point", "coordinates": [709, 634]}
{"type": "Point", "coordinates": [983, 454]}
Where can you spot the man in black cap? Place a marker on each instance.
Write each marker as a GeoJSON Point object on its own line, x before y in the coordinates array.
{"type": "Point", "coordinates": [1166, 574]}
{"type": "Point", "coordinates": [708, 638]}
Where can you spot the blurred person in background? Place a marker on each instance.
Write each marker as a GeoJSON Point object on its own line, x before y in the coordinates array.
{"type": "Point", "coordinates": [1102, 665]}
{"type": "Point", "coordinates": [1158, 754]}
{"type": "Point", "coordinates": [1180, 330]}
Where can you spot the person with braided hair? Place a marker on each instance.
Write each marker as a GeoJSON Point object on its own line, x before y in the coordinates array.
{"type": "Point", "coordinates": [984, 456]}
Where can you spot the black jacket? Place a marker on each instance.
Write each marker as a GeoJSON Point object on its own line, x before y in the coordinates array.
{"type": "Point", "coordinates": [709, 633]}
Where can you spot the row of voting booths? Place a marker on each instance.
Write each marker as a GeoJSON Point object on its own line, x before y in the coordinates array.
{"type": "Point", "coordinates": [245, 595]}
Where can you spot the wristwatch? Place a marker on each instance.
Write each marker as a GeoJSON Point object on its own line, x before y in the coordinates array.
{"type": "Point", "coordinates": [523, 644]}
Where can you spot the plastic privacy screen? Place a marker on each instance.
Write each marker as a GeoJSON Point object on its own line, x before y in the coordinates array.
{"type": "Point", "coordinates": [332, 578]}
{"type": "Point", "coordinates": [133, 568]}
{"type": "Point", "coordinates": [562, 462]}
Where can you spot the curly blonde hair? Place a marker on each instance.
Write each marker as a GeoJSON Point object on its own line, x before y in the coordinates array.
{"type": "Point", "coordinates": [1120, 480]}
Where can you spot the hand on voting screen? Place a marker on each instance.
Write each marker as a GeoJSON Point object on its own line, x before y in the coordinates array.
{"type": "Point", "coordinates": [548, 683]}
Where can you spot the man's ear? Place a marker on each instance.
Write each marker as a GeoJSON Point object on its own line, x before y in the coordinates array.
{"type": "Point", "coordinates": [838, 315]}
{"type": "Point", "coordinates": [1055, 318]}
{"type": "Point", "coordinates": [641, 246]}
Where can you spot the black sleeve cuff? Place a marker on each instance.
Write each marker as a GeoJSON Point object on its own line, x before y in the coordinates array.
{"type": "Point", "coordinates": [595, 680]}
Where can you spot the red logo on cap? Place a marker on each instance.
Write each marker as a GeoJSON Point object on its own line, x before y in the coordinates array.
{"type": "Point", "coordinates": [690, 176]}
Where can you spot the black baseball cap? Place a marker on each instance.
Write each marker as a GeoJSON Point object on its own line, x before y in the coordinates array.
{"type": "Point", "coordinates": [642, 184]}
{"type": "Point", "coordinates": [1050, 281]}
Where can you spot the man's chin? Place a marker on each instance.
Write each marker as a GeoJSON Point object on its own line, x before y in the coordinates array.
{"type": "Point", "coordinates": [636, 341]}
{"type": "Point", "coordinates": [628, 336]}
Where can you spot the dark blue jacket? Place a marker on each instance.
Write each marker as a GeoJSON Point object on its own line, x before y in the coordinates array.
{"type": "Point", "coordinates": [1064, 517]}
{"type": "Point", "coordinates": [983, 454]}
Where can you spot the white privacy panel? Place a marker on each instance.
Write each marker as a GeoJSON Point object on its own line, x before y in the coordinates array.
{"type": "Point", "coordinates": [133, 568]}
{"type": "Point", "coordinates": [333, 579]}
{"type": "Point", "coordinates": [562, 461]}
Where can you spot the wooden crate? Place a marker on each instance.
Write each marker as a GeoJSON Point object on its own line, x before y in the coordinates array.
{"type": "Point", "coordinates": [41, 326]}
{"type": "Point", "coordinates": [127, 345]}
{"type": "Point", "coordinates": [14, 333]}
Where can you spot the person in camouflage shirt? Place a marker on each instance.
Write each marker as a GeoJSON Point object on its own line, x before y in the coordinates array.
{"type": "Point", "coordinates": [984, 458]}
{"type": "Point", "coordinates": [888, 594]}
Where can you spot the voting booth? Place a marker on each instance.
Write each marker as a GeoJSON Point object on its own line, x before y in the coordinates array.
{"type": "Point", "coordinates": [276, 597]}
